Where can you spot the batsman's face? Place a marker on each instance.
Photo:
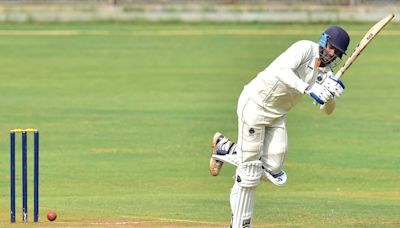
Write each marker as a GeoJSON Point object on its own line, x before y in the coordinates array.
{"type": "Point", "coordinates": [332, 51]}
{"type": "Point", "coordinates": [329, 55]}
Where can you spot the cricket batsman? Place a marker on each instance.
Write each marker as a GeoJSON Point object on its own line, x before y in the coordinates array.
{"type": "Point", "coordinates": [306, 67]}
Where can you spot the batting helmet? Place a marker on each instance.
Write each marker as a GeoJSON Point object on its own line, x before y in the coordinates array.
{"type": "Point", "coordinates": [337, 37]}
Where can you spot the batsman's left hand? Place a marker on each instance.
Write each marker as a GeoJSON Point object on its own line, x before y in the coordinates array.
{"type": "Point", "coordinates": [334, 86]}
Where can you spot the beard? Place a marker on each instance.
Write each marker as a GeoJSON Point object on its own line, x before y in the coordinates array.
{"type": "Point", "coordinates": [327, 60]}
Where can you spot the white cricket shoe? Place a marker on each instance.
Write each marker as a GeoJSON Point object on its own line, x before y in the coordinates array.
{"type": "Point", "coordinates": [215, 166]}
{"type": "Point", "coordinates": [221, 146]}
{"type": "Point", "coordinates": [277, 179]}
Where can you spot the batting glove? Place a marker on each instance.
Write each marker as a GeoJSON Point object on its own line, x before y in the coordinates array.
{"type": "Point", "coordinates": [335, 86]}
{"type": "Point", "coordinates": [319, 93]}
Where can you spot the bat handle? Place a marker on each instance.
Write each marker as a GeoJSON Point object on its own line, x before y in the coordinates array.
{"type": "Point", "coordinates": [339, 74]}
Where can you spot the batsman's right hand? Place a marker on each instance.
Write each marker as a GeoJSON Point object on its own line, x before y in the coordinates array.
{"type": "Point", "coordinates": [335, 86]}
{"type": "Point", "coordinates": [319, 93]}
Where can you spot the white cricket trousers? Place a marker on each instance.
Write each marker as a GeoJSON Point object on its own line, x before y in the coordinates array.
{"type": "Point", "coordinates": [260, 135]}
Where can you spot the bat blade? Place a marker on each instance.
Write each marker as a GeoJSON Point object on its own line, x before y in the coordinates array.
{"type": "Point", "coordinates": [368, 37]}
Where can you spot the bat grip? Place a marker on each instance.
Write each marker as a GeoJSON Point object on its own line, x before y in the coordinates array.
{"type": "Point", "coordinates": [339, 74]}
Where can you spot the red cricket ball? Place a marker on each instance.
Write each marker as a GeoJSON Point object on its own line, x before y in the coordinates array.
{"type": "Point", "coordinates": [51, 215]}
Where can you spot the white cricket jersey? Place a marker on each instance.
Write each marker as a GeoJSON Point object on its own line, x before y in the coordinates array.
{"type": "Point", "coordinates": [281, 85]}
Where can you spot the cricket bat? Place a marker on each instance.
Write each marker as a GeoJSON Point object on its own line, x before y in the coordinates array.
{"type": "Point", "coordinates": [369, 36]}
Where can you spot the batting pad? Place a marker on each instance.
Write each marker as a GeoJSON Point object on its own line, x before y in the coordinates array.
{"type": "Point", "coordinates": [248, 175]}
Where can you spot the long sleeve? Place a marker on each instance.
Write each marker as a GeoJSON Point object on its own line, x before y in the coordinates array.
{"type": "Point", "coordinates": [286, 66]}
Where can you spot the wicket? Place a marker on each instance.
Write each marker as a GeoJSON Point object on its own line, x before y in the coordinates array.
{"type": "Point", "coordinates": [24, 133]}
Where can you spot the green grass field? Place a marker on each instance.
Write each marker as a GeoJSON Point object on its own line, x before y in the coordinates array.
{"type": "Point", "coordinates": [126, 113]}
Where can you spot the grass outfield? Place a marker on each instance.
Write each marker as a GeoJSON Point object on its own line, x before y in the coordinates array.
{"type": "Point", "coordinates": [126, 113]}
